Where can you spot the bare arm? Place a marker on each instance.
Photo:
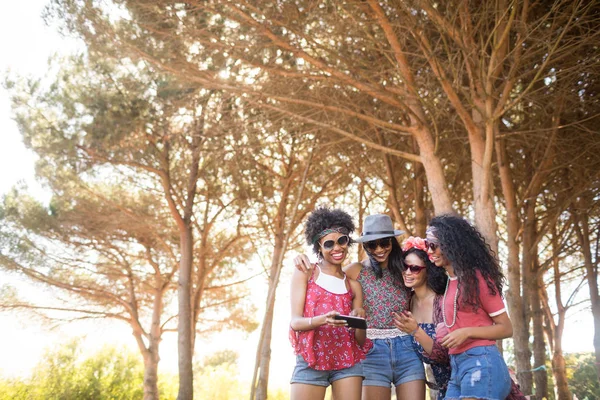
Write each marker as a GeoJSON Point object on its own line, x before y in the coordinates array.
{"type": "Point", "coordinates": [298, 295]}
{"type": "Point", "coordinates": [501, 329]}
{"type": "Point", "coordinates": [352, 270]}
{"type": "Point", "coordinates": [357, 310]}
{"type": "Point", "coordinates": [408, 324]}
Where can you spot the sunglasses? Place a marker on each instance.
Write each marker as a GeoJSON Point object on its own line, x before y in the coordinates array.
{"type": "Point", "coordinates": [415, 269]}
{"type": "Point", "coordinates": [431, 245]}
{"type": "Point", "coordinates": [383, 243]}
{"type": "Point", "coordinates": [342, 241]}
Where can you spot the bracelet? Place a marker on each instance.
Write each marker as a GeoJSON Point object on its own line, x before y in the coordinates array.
{"type": "Point", "coordinates": [310, 321]}
{"type": "Point", "coordinates": [413, 332]}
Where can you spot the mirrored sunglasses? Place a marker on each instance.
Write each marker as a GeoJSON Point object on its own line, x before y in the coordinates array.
{"type": "Point", "coordinates": [383, 243]}
{"type": "Point", "coordinates": [342, 241]}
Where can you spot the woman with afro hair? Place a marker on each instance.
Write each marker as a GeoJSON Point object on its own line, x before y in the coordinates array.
{"type": "Point", "coordinates": [327, 350]}
{"type": "Point", "coordinates": [473, 310]}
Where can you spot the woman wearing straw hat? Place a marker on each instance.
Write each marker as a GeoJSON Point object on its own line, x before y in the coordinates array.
{"type": "Point", "coordinates": [392, 360]}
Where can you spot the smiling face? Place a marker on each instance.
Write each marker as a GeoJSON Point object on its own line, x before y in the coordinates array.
{"type": "Point", "coordinates": [435, 252]}
{"type": "Point", "coordinates": [334, 255]}
{"type": "Point", "coordinates": [415, 279]}
{"type": "Point", "coordinates": [380, 249]}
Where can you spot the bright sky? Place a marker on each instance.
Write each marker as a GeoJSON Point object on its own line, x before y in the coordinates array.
{"type": "Point", "coordinates": [26, 45]}
{"type": "Point", "coordinates": [25, 49]}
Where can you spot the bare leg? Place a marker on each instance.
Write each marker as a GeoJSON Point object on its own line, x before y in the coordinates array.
{"type": "Point", "coordinates": [376, 393]}
{"type": "Point", "coordinates": [301, 391]}
{"type": "Point", "coordinates": [347, 388]}
{"type": "Point", "coordinates": [413, 390]}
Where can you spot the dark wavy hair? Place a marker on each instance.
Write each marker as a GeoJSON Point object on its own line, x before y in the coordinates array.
{"type": "Point", "coordinates": [436, 276]}
{"type": "Point", "coordinates": [325, 218]}
{"type": "Point", "coordinates": [468, 252]}
{"type": "Point", "coordinates": [395, 262]}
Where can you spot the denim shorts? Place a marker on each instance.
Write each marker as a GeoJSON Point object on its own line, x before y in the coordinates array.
{"type": "Point", "coordinates": [309, 376]}
{"type": "Point", "coordinates": [478, 372]}
{"type": "Point", "coordinates": [392, 360]}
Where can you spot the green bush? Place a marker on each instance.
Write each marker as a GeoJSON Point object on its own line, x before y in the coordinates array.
{"type": "Point", "coordinates": [63, 374]}
{"type": "Point", "coordinates": [582, 376]}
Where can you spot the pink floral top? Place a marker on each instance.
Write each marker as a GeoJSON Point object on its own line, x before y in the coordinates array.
{"type": "Point", "coordinates": [381, 296]}
{"type": "Point", "coordinates": [328, 348]}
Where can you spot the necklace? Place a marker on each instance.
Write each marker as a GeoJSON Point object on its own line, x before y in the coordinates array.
{"type": "Point", "coordinates": [444, 305]}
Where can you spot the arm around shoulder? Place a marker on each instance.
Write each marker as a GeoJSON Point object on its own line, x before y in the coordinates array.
{"type": "Point", "coordinates": [353, 270]}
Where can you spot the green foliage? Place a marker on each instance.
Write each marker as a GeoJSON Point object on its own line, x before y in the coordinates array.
{"type": "Point", "coordinates": [227, 357]}
{"type": "Point", "coordinates": [582, 376]}
{"type": "Point", "coordinates": [63, 373]}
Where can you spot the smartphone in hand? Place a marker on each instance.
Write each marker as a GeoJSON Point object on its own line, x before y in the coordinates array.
{"type": "Point", "coordinates": [353, 322]}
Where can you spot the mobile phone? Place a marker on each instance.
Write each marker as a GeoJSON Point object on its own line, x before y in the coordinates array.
{"type": "Point", "coordinates": [353, 322]}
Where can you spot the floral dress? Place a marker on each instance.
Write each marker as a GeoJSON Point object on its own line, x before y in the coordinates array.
{"type": "Point", "coordinates": [328, 348]}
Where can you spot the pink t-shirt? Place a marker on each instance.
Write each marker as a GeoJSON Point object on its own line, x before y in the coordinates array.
{"type": "Point", "coordinates": [466, 316]}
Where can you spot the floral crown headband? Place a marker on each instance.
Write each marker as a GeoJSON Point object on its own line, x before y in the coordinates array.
{"type": "Point", "coordinates": [416, 242]}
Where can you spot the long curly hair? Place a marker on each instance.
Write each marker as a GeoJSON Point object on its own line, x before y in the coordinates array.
{"type": "Point", "coordinates": [468, 252]}
{"type": "Point", "coordinates": [324, 218]}
{"type": "Point", "coordinates": [436, 276]}
{"type": "Point", "coordinates": [395, 262]}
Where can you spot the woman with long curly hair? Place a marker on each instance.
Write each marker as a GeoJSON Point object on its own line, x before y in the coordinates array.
{"type": "Point", "coordinates": [328, 352]}
{"type": "Point", "coordinates": [473, 310]}
{"type": "Point", "coordinates": [392, 361]}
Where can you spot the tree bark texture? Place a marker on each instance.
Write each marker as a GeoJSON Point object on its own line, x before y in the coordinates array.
{"type": "Point", "coordinates": [184, 324]}
{"type": "Point", "coordinates": [583, 233]}
{"type": "Point", "coordinates": [559, 370]}
{"type": "Point", "coordinates": [514, 296]}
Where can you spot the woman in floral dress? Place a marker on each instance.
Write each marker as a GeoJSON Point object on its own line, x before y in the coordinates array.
{"type": "Point", "coordinates": [328, 352]}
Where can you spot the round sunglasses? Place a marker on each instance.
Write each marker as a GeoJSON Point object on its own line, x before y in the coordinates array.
{"type": "Point", "coordinates": [415, 269]}
{"type": "Point", "coordinates": [342, 241]}
{"type": "Point", "coordinates": [431, 245]}
{"type": "Point", "coordinates": [383, 243]}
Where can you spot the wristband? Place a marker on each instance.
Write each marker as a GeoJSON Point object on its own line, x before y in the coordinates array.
{"type": "Point", "coordinates": [413, 332]}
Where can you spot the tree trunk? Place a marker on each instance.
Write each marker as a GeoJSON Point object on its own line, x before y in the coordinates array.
{"type": "Point", "coordinates": [513, 296]}
{"type": "Point", "coordinates": [583, 234]}
{"type": "Point", "coordinates": [283, 226]}
{"type": "Point", "coordinates": [529, 282]}
{"type": "Point", "coordinates": [539, 345]}
{"type": "Point", "coordinates": [263, 359]}
{"type": "Point", "coordinates": [419, 191]}
{"type": "Point", "coordinates": [558, 361]}
{"type": "Point", "coordinates": [393, 201]}
{"type": "Point", "coordinates": [151, 376]}
{"type": "Point", "coordinates": [184, 324]}
{"type": "Point", "coordinates": [436, 181]}
{"type": "Point", "coordinates": [481, 169]}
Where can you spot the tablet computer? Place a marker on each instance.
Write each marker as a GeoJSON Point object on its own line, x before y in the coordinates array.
{"type": "Point", "coordinates": [353, 322]}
